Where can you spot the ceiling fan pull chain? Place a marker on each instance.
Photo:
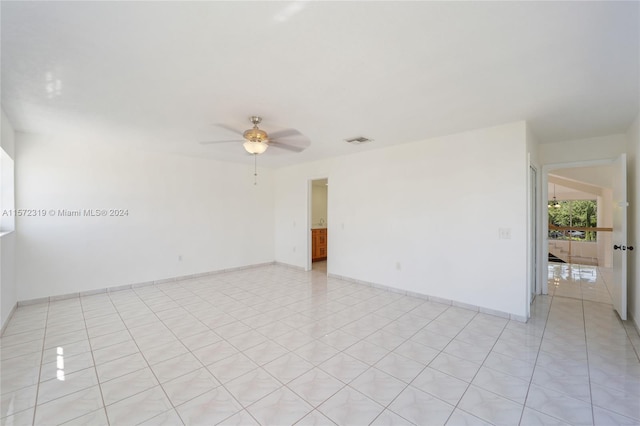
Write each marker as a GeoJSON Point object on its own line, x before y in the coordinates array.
{"type": "Point", "coordinates": [255, 169]}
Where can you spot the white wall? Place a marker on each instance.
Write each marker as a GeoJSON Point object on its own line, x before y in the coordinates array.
{"type": "Point", "coordinates": [433, 208]}
{"type": "Point", "coordinates": [582, 149]}
{"type": "Point", "coordinates": [633, 217]}
{"type": "Point", "coordinates": [208, 212]}
{"type": "Point", "coordinates": [8, 289]}
{"type": "Point", "coordinates": [319, 206]}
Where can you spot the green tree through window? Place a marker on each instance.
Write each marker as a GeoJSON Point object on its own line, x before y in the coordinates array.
{"type": "Point", "coordinates": [578, 213]}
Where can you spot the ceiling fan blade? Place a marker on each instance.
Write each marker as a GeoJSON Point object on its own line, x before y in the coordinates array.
{"type": "Point", "coordinates": [284, 133]}
{"type": "Point", "coordinates": [281, 145]}
{"type": "Point", "coordinates": [229, 128]}
{"type": "Point", "coordinates": [212, 142]}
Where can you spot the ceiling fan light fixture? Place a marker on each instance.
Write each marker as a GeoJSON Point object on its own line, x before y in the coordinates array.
{"type": "Point", "coordinates": [255, 135]}
{"type": "Point", "coordinates": [255, 147]}
{"type": "Point", "coordinates": [555, 202]}
{"type": "Point", "coordinates": [257, 141]}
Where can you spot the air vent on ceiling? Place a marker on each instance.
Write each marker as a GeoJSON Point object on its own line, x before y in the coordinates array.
{"type": "Point", "coordinates": [358, 140]}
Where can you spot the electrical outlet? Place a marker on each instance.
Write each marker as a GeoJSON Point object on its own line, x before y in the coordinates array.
{"type": "Point", "coordinates": [179, 258]}
{"type": "Point", "coordinates": [294, 249]}
{"type": "Point", "coordinates": [504, 233]}
{"type": "Point", "coordinates": [398, 266]}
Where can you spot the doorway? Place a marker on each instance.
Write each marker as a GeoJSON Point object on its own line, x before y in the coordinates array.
{"type": "Point", "coordinates": [605, 180]}
{"type": "Point", "coordinates": [318, 219]}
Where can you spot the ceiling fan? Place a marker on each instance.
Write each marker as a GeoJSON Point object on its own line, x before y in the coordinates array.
{"type": "Point", "coordinates": [256, 141]}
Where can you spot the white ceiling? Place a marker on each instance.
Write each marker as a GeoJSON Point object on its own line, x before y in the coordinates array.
{"type": "Point", "coordinates": [580, 183]}
{"type": "Point", "coordinates": [565, 193]}
{"type": "Point", "coordinates": [599, 176]}
{"type": "Point", "coordinates": [159, 75]}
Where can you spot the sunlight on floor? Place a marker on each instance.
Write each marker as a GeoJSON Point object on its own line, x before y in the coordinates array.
{"type": "Point", "coordinates": [584, 282]}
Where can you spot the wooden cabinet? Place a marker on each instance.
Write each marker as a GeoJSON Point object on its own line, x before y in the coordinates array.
{"type": "Point", "coordinates": [318, 244]}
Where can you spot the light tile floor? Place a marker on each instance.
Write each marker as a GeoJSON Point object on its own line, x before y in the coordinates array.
{"type": "Point", "coordinates": [319, 266]}
{"type": "Point", "coordinates": [277, 346]}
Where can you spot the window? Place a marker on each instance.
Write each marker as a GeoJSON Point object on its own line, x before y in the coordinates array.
{"type": "Point", "coordinates": [569, 214]}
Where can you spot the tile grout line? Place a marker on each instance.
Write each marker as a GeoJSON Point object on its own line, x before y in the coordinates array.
{"type": "Point", "coordinates": [315, 408]}
{"type": "Point", "coordinates": [48, 380]}
{"type": "Point", "coordinates": [474, 376]}
{"type": "Point", "coordinates": [44, 339]}
{"type": "Point", "coordinates": [191, 352]}
{"type": "Point", "coordinates": [291, 351]}
{"type": "Point", "coordinates": [315, 319]}
{"type": "Point", "coordinates": [95, 366]}
{"type": "Point", "coordinates": [427, 365]}
{"type": "Point", "coordinates": [203, 365]}
{"type": "Point", "coordinates": [390, 320]}
{"type": "Point", "coordinates": [317, 366]}
{"type": "Point", "coordinates": [145, 360]}
{"type": "Point", "coordinates": [535, 363]}
{"type": "Point", "coordinates": [316, 316]}
{"type": "Point", "coordinates": [582, 301]}
{"type": "Point", "coordinates": [115, 359]}
{"type": "Point", "coordinates": [619, 321]}
{"type": "Point", "coordinates": [636, 348]}
{"type": "Point", "coordinates": [586, 343]}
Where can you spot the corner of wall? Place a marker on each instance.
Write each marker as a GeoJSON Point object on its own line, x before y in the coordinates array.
{"type": "Point", "coordinates": [532, 145]}
{"type": "Point", "coordinates": [8, 288]}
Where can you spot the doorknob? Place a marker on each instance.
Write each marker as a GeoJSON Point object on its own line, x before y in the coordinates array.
{"type": "Point", "coordinates": [630, 248]}
{"type": "Point", "coordinates": [617, 247]}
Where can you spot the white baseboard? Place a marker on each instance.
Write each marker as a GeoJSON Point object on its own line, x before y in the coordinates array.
{"type": "Point", "coordinates": [135, 285]}
{"type": "Point", "coordinates": [288, 265]}
{"type": "Point", "coordinates": [4, 326]}
{"type": "Point", "coordinates": [435, 299]}
{"type": "Point", "coordinates": [633, 322]}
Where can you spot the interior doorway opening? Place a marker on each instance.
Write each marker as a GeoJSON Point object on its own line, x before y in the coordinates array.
{"type": "Point", "coordinates": [605, 182]}
{"type": "Point", "coordinates": [579, 215]}
{"type": "Point", "coordinates": [318, 220]}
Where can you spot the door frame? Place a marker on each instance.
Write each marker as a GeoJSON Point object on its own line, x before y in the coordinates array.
{"type": "Point", "coordinates": [310, 180]}
{"type": "Point", "coordinates": [533, 247]}
{"type": "Point", "coordinates": [544, 231]}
